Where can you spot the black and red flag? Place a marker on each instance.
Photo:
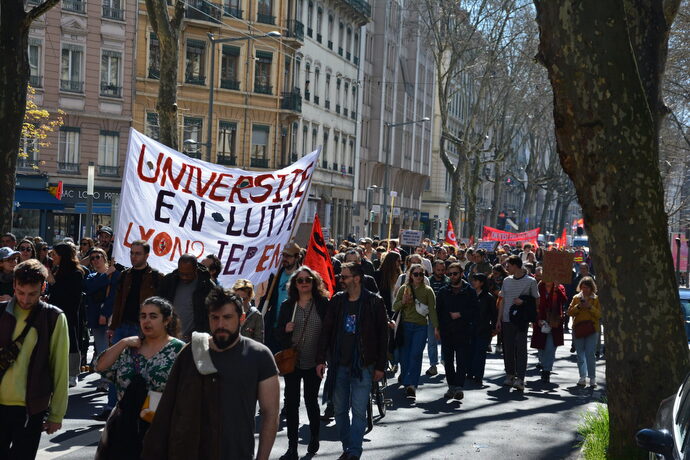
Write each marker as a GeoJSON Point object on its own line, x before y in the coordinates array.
{"type": "Point", "coordinates": [317, 257]}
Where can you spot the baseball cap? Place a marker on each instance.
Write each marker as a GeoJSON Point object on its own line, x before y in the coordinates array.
{"type": "Point", "coordinates": [6, 253]}
{"type": "Point", "coordinates": [107, 230]}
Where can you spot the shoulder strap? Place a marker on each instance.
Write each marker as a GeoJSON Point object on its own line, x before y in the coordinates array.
{"type": "Point", "coordinates": [27, 327]}
{"type": "Point", "coordinates": [306, 321]}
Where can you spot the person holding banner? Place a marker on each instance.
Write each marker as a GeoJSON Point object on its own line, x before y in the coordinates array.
{"type": "Point", "coordinates": [299, 326]}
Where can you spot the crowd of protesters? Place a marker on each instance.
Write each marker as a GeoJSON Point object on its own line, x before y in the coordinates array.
{"type": "Point", "coordinates": [191, 352]}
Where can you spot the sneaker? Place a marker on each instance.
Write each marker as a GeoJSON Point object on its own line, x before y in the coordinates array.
{"type": "Point", "coordinates": [449, 394]}
{"type": "Point", "coordinates": [509, 381]}
{"type": "Point", "coordinates": [582, 382]}
{"type": "Point", "coordinates": [329, 413]}
{"type": "Point", "coordinates": [72, 382]}
{"type": "Point", "coordinates": [458, 395]}
{"type": "Point", "coordinates": [592, 382]}
{"type": "Point", "coordinates": [411, 392]}
{"type": "Point", "coordinates": [432, 371]}
{"type": "Point", "coordinates": [291, 454]}
{"type": "Point", "coordinates": [313, 446]}
{"type": "Point", "coordinates": [478, 380]}
{"type": "Point", "coordinates": [519, 385]}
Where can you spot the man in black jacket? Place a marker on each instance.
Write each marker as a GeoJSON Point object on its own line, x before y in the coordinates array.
{"type": "Point", "coordinates": [186, 288]}
{"type": "Point", "coordinates": [355, 336]}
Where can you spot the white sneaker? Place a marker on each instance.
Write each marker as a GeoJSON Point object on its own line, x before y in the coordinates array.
{"type": "Point", "coordinates": [592, 382]}
{"type": "Point", "coordinates": [582, 382]}
{"type": "Point", "coordinates": [72, 382]}
{"type": "Point", "coordinates": [519, 385]}
{"type": "Point", "coordinates": [508, 382]}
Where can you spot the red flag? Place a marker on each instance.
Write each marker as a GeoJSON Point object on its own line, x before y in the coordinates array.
{"type": "Point", "coordinates": [450, 235]}
{"type": "Point", "coordinates": [317, 257]}
{"type": "Point", "coordinates": [56, 191]}
{"type": "Point", "coordinates": [562, 240]}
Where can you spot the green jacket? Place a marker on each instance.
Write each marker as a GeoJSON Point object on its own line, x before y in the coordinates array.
{"type": "Point", "coordinates": [425, 295]}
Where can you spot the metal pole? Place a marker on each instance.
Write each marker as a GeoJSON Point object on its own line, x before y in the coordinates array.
{"type": "Point", "coordinates": [384, 210]}
{"type": "Point", "coordinates": [89, 200]}
{"type": "Point", "coordinates": [212, 80]}
{"type": "Point", "coordinates": [678, 259]}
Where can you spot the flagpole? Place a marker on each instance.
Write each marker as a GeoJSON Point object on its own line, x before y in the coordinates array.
{"type": "Point", "coordinates": [390, 220]}
{"type": "Point", "coordinates": [269, 293]}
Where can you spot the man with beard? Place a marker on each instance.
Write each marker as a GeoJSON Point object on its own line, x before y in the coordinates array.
{"type": "Point", "coordinates": [208, 407]}
{"type": "Point", "coordinates": [289, 263]}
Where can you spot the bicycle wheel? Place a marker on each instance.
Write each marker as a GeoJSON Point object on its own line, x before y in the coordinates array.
{"type": "Point", "coordinates": [381, 402]}
{"type": "Point", "coordinates": [370, 415]}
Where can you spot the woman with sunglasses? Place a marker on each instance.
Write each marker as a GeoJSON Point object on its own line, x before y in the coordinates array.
{"type": "Point", "coordinates": [252, 321]}
{"type": "Point", "coordinates": [42, 251]}
{"type": "Point", "coordinates": [299, 325]}
{"type": "Point", "coordinates": [26, 250]}
{"type": "Point", "coordinates": [85, 246]}
{"type": "Point", "coordinates": [8, 260]}
{"type": "Point", "coordinates": [65, 285]}
{"type": "Point", "coordinates": [100, 288]}
{"type": "Point", "coordinates": [417, 302]}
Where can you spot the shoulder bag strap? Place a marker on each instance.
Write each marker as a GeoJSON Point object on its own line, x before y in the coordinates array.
{"type": "Point", "coordinates": [306, 321]}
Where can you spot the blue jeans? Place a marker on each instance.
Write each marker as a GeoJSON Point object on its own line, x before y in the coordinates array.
{"type": "Point", "coordinates": [351, 392]}
{"type": "Point", "coordinates": [125, 330]}
{"type": "Point", "coordinates": [585, 347]}
{"type": "Point", "coordinates": [547, 356]}
{"type": "Point", "coordinates": [100, 340]}
{"type": "Point", "coordinates": [412, 353]}
{"type": "Point", "coordinates": [432, 344]}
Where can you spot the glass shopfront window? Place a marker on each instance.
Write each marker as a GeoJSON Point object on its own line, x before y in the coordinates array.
{"type": "Point", "coordinates": [26, 222]}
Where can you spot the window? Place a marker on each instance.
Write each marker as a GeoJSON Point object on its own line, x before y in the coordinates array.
{"type": "Point", "coordinates": [324, 149]}
{"type": "Point", "coordinates": [29, 147]}
{"type": "Point", "coordinates": [229, 68]}
{"type": "Point", "coordinates": [355, 51]}
{"type": "Point", "coordinates": [68, 150]}
{"type": "Point", "coordinates": [77, 6]}
{"type": "Point", "coordinates": [310, 18]}
{"type": "Point", "coordinates": [265, 13]}
{"type": "Point", "coordinates": [154, 57]}
{"type": "Point", "coordinates": [108, 142]}
{"type": "Point", "coordinates": [195, 62]}
{"type": "Point", "coordinates": [305, 135]}
{"type": "Point", "coordinates": [191, 137]}
{"type": "Point", "coordinates": [110, 73]}
{"type": "Point", "coordinates": [35, 75]}
{"type": "Point", "coordinates": [348, 43]}
{"type": "Point", "coordinates": [330, 31]}
{"type": "Point", "coordinates": [233, 8]}
{"type": "Point", "coordinates": [307, 77]}
{"type": "Point", "coordinates": [262, 72]}
{"type": "Point", "coordinates": [346, 95]}
{"type": "Point", "coordinates": [314, 137]}
{"type": "Point", "coordinates": [353, 106]}
{"type": "Point", "coordinates": [71, 77]}
{"type": "Point", "coordinates": [317, 73]}
{"type": "Point", "coordinates": [337, 95]}
{"type": "Point", "coordinates": [227, 135]}
{"type": "Point", "coordinates": [112, 9]}
{"type": "Point", "coordinates": [327, 91]}
{"type": "Point", "coordinates": [152, 127]}
{"type": "Point", "coordinates": [295, 127]}
{"type": "Point", "coordinates": [298, 72]}
{"type": "Point", "coordinates": [319, 20]}
{"type": "Point", "coordinates": [260, 146]}
{"type": "Point", "coordinates": [341, 38]}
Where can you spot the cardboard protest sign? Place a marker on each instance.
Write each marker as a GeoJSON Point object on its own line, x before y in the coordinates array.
{"type": "Point", "coordinates": [558, 267]}
{"type": "Point", "coordinates": [184, 205]}
{"type": "Point", "coordinates": [411, 237]}
{"type": "Point", "coordinates": [488, 246]}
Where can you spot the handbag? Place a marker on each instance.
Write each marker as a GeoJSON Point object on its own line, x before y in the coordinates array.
{"type": "Point", "coordinates": [421, 308]}
{"type": "Point", "coordinates": [9, 353]}
{"type": "Point", "coordinates": [583, 329]}
{"type": "Point", "coordinates": [286, 360]}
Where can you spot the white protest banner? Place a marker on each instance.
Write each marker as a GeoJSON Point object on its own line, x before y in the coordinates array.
{"type": "Point", "coordinates": [411, 238]}
{"type": "Point", "coordinates": [184, 205]}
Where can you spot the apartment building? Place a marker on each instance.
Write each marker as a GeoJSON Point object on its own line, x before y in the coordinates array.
{"type": "Point", "coordinates": [81, 62]}
{"type": "Point", "coordinates": [398, 86]}
{"type": "Point", "coordinates": [327, 75]}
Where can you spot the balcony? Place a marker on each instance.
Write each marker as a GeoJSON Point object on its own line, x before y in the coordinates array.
{"type": "Point", "coordinates": [108, 171]}
{"type": "Point", "coordinates": [307, 95]}
{"type": "Point", "coordinates": [316, 100]}
{"type": "Point", "coordinates": [291, 101]}
{"type": "Point", "coordinates": [68, 168]}
{"type": "Point", "coordinates": [154, 73]}
{"type": "Point", "coordinates": [340, 50]}
{"type": "Point", "coordinates": [265, 18]}
{"type": "Point", "coordinates": [337, 108]}
{"type": "Point", "coordinates": [335, 166]}
{"type": "Point", "coordinates": [263, 89]}
{"type": "Point", "coordinates": [204, 11]}
{"type": "Point", "coordinates": [324, 164]}
{"type": "Point", "coordinates": [229, 83]}
{"type": "Point", "coordinates": [310, 32]}
{"type": "Point", "coordinates": [232, 11]}
{"type": "Point", "coordinates": [259, 163]}
{"type": "Point", "coordinates": [295, 29]}
{"type": "Point", "coordinates": [193, 154]}
{"type": "Point", "coordinates": [319, 38]}
{"type": "Point", "coordinates": [195, 79]}
{"type": "Point", "coordinates": [76, 6]}
{"type": "Point", "coordinates": [330, 45]}
{"type": "Point", "coordinates": [110, 90]}
{"type": "Point", "coordinates": [327, 104]}
{"type": "Point", "coordinates": [36, 81]}
{"type": "Point", "coordinates": [227, 160]}
{"type": "Point", "coordinates": [360, 6]}
{"type": "Point", "coordinates": [343, 169]}
{"type": "Point", "coordinates": [72, 86]}
{"type": "Point", "coordinates": [113, 13]}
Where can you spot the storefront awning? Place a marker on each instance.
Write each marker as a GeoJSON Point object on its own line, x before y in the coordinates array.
{"type": "Point", "coordinates": [36, 199]}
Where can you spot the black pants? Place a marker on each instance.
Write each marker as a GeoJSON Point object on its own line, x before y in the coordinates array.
{"type": "Point", "coordinates": [19, 435]}
{"type": "Point", "coordinates": [312, 382]}
{"type": "Point", "coordinates": [456, 353]}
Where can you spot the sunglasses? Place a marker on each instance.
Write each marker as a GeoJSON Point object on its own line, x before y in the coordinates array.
{"type": "Point", "coordinates": [25, 249]}
{"type": "Point", "coordinates": [305, 280]}
{"type": "Point", "coordinates": [453, 273]}
{"type": "Point", "coordinates": [92, 258]}
{"type": "Point", "coordinates": [418, 274]}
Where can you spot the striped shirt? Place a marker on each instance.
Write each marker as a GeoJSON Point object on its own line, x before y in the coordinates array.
{"type": "Point", "coordinates": [513, 288]}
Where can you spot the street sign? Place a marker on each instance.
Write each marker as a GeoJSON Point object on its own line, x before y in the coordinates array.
{"type": "Point", "coordinates": [411, 237]}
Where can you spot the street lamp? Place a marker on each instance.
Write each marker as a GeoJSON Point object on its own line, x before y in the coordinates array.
{"type": "Point", "coordinates": [370, 202]}
{"type": "Point", "coordinates": [389, 129]}
{"type": "Point", "coordinates": [272, 34]}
